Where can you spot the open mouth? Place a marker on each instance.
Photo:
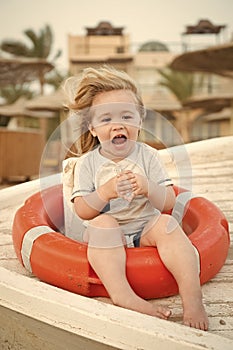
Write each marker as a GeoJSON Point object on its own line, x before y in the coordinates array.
{"type": "Point", "coordinates": [119, 139]}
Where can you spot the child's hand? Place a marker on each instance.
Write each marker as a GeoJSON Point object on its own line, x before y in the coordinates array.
{"type": "Point", "coordinates": [141, 185]}
{"type": "Point", "coordinates": [126, 185]}
{"type": "Point", "coordinates": [108, 191]}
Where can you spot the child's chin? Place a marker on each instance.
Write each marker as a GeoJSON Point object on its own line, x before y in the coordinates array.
{"type": "Point", "coordinates": [123, 149]}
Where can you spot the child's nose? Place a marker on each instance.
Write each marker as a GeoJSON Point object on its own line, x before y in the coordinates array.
{"type": "Point", "coordinates": [117, 126]}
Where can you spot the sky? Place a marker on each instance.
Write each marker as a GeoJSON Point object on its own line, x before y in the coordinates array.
{"type": "Point", "coordinates": [145, 20]}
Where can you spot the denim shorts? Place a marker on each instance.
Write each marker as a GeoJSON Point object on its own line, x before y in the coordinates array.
{"type": "Point", "coordinates": [133, 239]}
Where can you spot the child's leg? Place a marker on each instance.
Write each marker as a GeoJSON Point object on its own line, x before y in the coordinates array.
{"type": "Point", "coordinates": [178, 255]}
{"type": "Point", "coordinates": [106, 254]}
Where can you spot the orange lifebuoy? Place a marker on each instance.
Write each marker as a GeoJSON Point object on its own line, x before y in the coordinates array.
{"type": "Point", "coordinates": [62, 262]}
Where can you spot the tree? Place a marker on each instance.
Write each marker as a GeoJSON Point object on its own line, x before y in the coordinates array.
{"type": "Point", "coordinates": [183, 85]}
{"type": "Point", "coordinates": [55, 78]}
{"type": "Point", "coordinates": [41, 45]}
{"type": "Point", "coordinates": [179, 83]}
{"type": "Point", "coordinates": [11, 93]}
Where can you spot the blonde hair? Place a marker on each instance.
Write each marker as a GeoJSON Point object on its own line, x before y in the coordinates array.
{"type": "Point", "coordinates": [81, 91]}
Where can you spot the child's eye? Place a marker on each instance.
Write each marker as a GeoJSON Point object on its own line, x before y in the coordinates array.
{"type": "Point", "coordinates": [127, 117]}
{"type": "Point", "coordinates": [105, 120]}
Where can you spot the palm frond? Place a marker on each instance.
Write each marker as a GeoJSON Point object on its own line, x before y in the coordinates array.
{"type": "Point", "coordinates": [15, 48]}
{"type": "Point", "coordinates": [179, 83]}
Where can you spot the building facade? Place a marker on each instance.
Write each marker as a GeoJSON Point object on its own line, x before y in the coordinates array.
{"type": "Point", "coordinates": [103, 44]}
{"type": "Point", "coordinates": [106, 44]}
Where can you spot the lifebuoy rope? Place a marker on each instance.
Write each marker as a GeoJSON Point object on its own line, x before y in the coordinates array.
{"type": "Point", "coordinates": [181, 201]}
{"type": "Point", "coordinates": [28, 240]}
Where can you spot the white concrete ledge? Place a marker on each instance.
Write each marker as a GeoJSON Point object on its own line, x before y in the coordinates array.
{"type": "Point", "coordinates": [16, 195]}
{"type": "Point", "coordinates": [96, 321]}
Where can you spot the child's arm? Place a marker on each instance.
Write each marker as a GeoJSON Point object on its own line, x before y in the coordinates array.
{"type": "Point", "coordinates": [161, 197]}
{"type": "Point", "coordinates": [89, 206]}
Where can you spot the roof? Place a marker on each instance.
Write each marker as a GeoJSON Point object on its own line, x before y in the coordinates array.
{"type": "Point", "coordinates": [204, 26]}
{"type": "Point", "coordinates": [51, 102]}
{"type": "Point", "coordinates": [153, 46]}
{"type": "Point", "coordinates": [104, 28]}
{"type": "Point", "coordinates": [215, 59]}
{"type": "Point", "coordinates": [18, 70]}
{"type": "Point", "coordinates": [210, 102]}
{"type": "Point", "coordinates": [18, 109]}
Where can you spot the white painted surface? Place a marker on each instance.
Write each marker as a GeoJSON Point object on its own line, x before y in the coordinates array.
{"type": "Point", "coordinates": [97, 321]}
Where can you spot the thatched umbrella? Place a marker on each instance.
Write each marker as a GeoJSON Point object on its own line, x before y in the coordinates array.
{"type": "Point", "coordinates": [18, 109]}
{"type": "Point", "coordinates": [215, 59]}
{"type": "Point", "coordinates": [20, 70]}
{"type": "Point", "coordinates": [212, 103]}
{"type": "Point", "coordinates": [169, 107]}
{"type": "Point", "coordinates": [51, 102]}
{"type": "Point", "coordinates": [224, 114]}
{"type": "Point", "coordinates": [162, 102]}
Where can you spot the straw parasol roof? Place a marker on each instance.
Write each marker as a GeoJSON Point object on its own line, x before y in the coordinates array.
{"type": "Point", "coordinates": [162, 106]}
{"type": "Point", "coordinates": [215, 59]}
{"type": "Point", "coordinates": [226, 113]}
{"type": "Point", "coordinates": [18, 109]}
{"type": "Point", "coordinates": [19, 70]}
{"type": "Point", "coordinates": [210, 102]}
{"type": "Point", "coordinates": [51, 102]}
{"type": "Point", "coordinates": [162, 102]}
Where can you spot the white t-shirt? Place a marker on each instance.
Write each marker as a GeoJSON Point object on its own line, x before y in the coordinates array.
{"type": "Point", "coordinates": [93, 170]}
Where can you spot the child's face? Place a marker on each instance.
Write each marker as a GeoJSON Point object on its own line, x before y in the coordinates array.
{"type": "Point", "coordinates": [116, 122]}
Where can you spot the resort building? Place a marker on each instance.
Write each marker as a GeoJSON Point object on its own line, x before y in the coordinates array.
{"type": "Point", "coordinates": [103, 44]}
{"type": "Point", "coordinates": [107, 44]}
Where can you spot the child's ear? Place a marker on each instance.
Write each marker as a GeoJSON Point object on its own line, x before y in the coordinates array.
{"type": "Point", "coordinates": [92, 130]}
{"type": "Point", "coordinates": [140, 126]}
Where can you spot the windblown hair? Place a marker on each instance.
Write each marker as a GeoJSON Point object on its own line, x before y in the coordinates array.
{"type": "Point", "coordinates": [81, 91]}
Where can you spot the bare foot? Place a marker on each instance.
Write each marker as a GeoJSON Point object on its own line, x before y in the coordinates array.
{"type": "Point", "coordinates": [140, 305]}
{"type": "Point", "coordinates": [195, 315]}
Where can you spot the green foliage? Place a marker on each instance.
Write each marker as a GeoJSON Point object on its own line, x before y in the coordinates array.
{"type": "Point", "coordinates": [55, 78]}
{"type": "Point", "coordinates": [11, 93]}
{"type": "Point", "coordinates": [40, 44]}
{"type": "Point", "coordinates": [181, 84]}
{"type": "Point", "coordinates": [15, 48]}
{"type": "Point", "coordinates": [28, 122]}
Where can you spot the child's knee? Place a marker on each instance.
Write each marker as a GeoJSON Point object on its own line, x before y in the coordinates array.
{"type": "Point", "coordinates": [157, 228]}
{"type": "Point", "coordinates": [104, 232]}
{"type": "Point", "coordinates": [167, 224]}
{"type": "Point", "coordinates": [103, 221]}
{"type": "Point", "coordinates": [164, 223]}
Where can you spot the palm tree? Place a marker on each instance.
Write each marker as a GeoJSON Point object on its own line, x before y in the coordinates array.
{"type": "Point", "coordinates": [179, 83]}
{"type": "Point", "coordinates": [40, 47]}
{"type": "Point", "coordinates": [41, 44]}
{"type": "Point", "coordinates": [183, 85]}
{"type": "Point", "coordinates": [11, 93]}
{"type": "Point", "coordinates": [55, 78]}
